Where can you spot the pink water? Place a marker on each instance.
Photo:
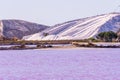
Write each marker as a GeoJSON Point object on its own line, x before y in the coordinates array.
{"type": "Point", "coordinates": [60, 64]}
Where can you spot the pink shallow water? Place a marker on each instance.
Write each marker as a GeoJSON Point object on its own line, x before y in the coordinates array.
{"type": "Point", "coordinates": [60, 64]}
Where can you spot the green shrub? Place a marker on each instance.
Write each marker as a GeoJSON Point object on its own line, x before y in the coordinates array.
{"type": "Point", "coordinates": [107, 36]}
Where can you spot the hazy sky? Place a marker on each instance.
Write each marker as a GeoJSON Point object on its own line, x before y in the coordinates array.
{"type": "Point", "coordinates": [50, 12]}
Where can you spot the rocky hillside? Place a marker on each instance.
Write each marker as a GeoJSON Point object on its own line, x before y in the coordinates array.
{"type": "Point", "coordinates": [19, 28]}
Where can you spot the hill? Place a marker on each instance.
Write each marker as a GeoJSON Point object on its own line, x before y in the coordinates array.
{"type": "Point", "coordinates": [79, 29]}
{"type": "Point", "coordinates": [19, 28]}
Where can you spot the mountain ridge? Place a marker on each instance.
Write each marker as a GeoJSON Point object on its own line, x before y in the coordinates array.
{"type": "Point", "coordinates": [80, 29]}
{"type": "Point", "coordinates": [19, 28]}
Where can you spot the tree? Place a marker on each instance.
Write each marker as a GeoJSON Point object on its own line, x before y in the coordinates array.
{"type": "Point", "coordinates": [1, 38]}
{"type": "Point", "coordinates": [118, 34]}
{"type": "Point", "coordinates": [45, 34]}
{"type": "Point", "coordinates": [107, 36]}
{"type": "Point", "coordinates": [14, 38]}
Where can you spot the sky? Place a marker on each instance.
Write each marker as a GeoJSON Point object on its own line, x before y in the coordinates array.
{"type": "Point", "coordinates": [51, 12]}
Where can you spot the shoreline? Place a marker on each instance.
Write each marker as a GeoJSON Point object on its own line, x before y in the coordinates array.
{"type": "Point", "coordinates": [62, 46]}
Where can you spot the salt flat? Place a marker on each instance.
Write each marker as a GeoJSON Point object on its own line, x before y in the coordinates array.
{"type": "Point", "coordinates": [60, 64]}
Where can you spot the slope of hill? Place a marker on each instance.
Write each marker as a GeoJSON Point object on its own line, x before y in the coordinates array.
{"type": "Point", "coordinates": [80, 29]}
{"type": "Point", "coordinates": [19, 28]}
